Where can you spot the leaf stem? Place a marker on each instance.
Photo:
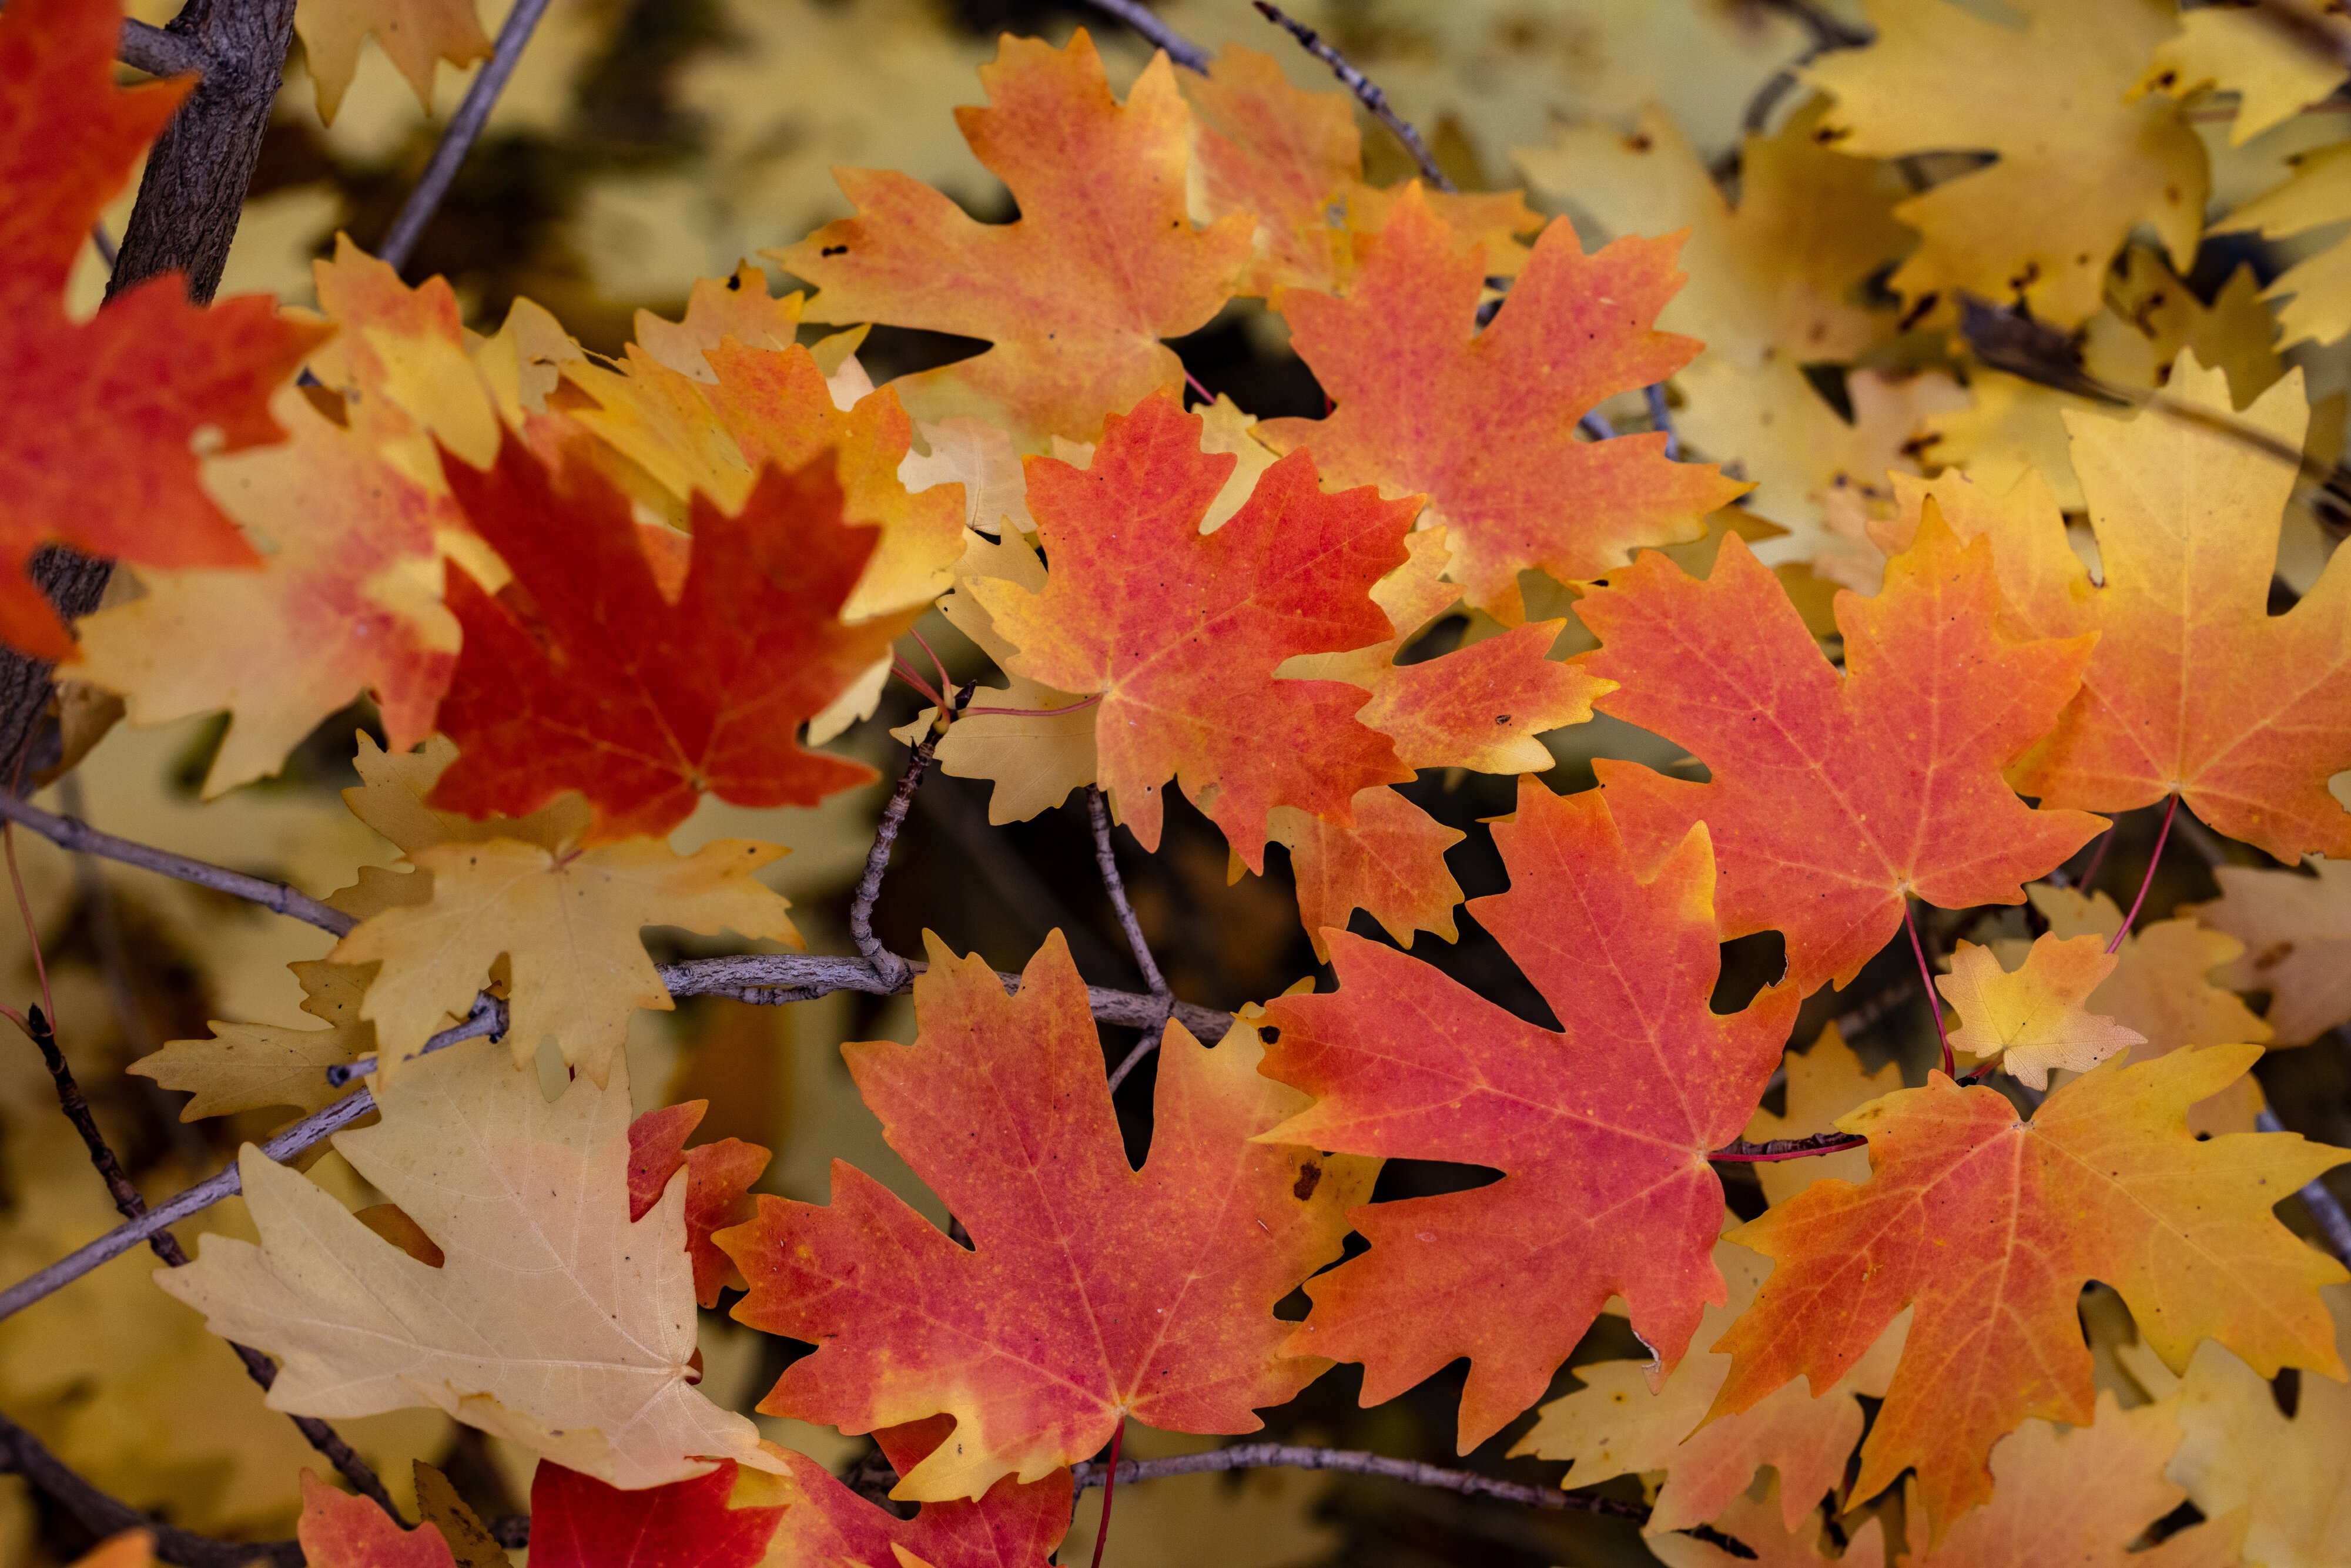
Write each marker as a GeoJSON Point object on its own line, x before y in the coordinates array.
{"type": "Point", "coordinates": [890, 968]}
{"type": "Point", "coordinates": [1110, 1491]}
{"type": "Point", "coordinates": [1927, 980]}
{"type": "Point", "coordinates": [2155, 859]}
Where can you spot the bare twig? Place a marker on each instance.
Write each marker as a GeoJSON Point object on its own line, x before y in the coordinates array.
{"type": "Point", "coordinates": [131, 1206]}
{"type": "Point", "coordinates": [1293, 1457]}
{"type": "Point", "coordinates": [464, 127]}
{"type": "Point", "coordinates": [1662, 418]}
{"type": "Point", "coordinates": [1180, 50]}
{"type": "Point", "coordinates": [2323, 1205]}
{"type": "Point", "coordinates": [23, 1454]}
{"type": "Point", "coordinates": [1744, 1152]}
{"type": "Point", "coordinates": [886, 964]}
{"type": "Point", "coordinates": [66, 832]}
{"type": "Point", "coordinates": [1596, 428]}
{"type": "Point", "coordinates": [161, 54]}
{"type": "Point", "coordinates": [1873, 1009]}
{"type": "Point", "coordinates": [1106, 858]}
{"type": "Point", "coordinates": [1367, 91]}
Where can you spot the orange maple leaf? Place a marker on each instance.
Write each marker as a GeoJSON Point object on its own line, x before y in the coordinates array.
{"type": "Point", "coordinates": [584, 676]}
{"type": "Point", "coordinates": [1485, 422]}
{"type": "Point", "coordinates": [1834, 798]}
{"type": "Point", "coordinates": [718, 1179]}
{"type": "Point", "coordinates": [1014, 1526]}
{"type": "Point", "coordinates": [1182, 631]}
{"type": "Point", "coordinates": [1077, 292]}
{"type": "Point", "coordinates": [2195, 687]}
{"type": "Point", "coordinates": [96, 452]}
{"type": "Point", "coordinates": [1091, 1291]}
{"type": "Point", "coordinates": [1294, 159]}
{"type": "Point", "coordinates": [1602, 1128]}
{"type": "Point", "coordinates": [1992, 1225]}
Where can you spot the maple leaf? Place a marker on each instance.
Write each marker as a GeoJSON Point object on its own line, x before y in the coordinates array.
{"type": "Point", "coordinates": [2010, 426]}
{"type": "Point", "coordinates": [2085, 1497]}
{"type": "Point", "coordinates": [1182, 632]}
{"type": "Point", "coordinates": [143, 377]}
{"type": "Point", "coordinates": [2162, 987]}
{"type": "Point", "coordinates": [245, 1066]}
{"type": "Point", "coordinates": [2078, 165]}
{"type": "Point", "coordinates": [2317, 287]}
{"type": "Point", "coordinates": [1013, 1526]}
{"type": "Point", "coordinates": [592, 679]}
{"type": "Point", "coordinates": [556, 1321]}
{"type": "Point", "coordinates": [1601, 1128]}
{"type": "Point", "coordinates": [1478, 706]}
{"type": "Point", "coordinates": [1389, 864]}
{"type": "Point", "coordinates": [1484, 421]}
{"type": "Point", "coordinates": [1078, 291]}
{"type": "Point", "coordinates": [580, 1521]}
{"type": "Point", "coordinates": [2033, 1017]}
{"type": "Point", "coordinates": [2273, 73]}
{"type": "Point", "coordinates": [1616, 1424]}
{"type": "Point", "coordinates": [564, 916]}
{"type": "Point", "coordinates": [718, 1179]}
{"type": "Point", "coordinates": [1091, 1291]}
{"type": "Point", "coordinates": [353, 581]}
{"type": "Point", "coordinates": [1991, 1226]}
{"type": "Point", "coordinates": [1823, 1083]}
{"type": "Point", "coordinates": [2296, 934]}
{"type": "Point", "coordinates": [1833, 799]}
{"type": "Point", "coordinates": [1755, 1525]}
{"type": "Point", "coordinates": [2194, 688]}
{"type": "Point", "coordinates": [340, 1531]}
{"type": "Point", "coordinates": [131, 1548]}
{"type": "Point", "coordinates": [416, 34]}
{"type": "Point", "coordinates": [708, 421]}
{"type": "Point", "coordinates": [2243, 1454]}
{"type": "Point", "coordinates": [1293, 160]}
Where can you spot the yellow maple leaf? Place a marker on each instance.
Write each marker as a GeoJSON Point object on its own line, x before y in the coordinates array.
{"type": "Point", "coordinates": [247, 1066]}
{"type": "Point", "coordinates": [2268, 61]}
{"type": "Point", "coordinates": [2287, 1474]}
{"type": "Point", "coordinates": [1616, 1424]}
{"type": "Point", "coordinates": [564, 918]}
{"type": "Point", "coordinates": [2031, 1016]}
{"type": "Point", "coordinates": [2076, 167]}
{"type": "Point", "coordinates": [1769, 1541]}
{"type": "Point", "coordinates": [2296, 936]}
{"type": "Point", "coordinates": [416, 34]}
{"type": "Point", "coordinates": [555, 1320]}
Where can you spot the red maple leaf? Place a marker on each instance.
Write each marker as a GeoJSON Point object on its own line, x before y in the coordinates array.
{"type": "Point", "coordinates": [718, 1179]}
{"type": "Point", "coordinates": [1090, 1291]}
{"type": "Point", "coordinates": [581, 675]}
{"type": "Point", "coordinates": [1182, 631]}
{"type": "Point", "coordinates": [1484, 423]}
{"type": "Point", "coordinates": [1014, 1526]}
{"type": "Point", "coordinates": [95, 452]}
{"type": "Point", "coordinates": [1835, 797]}
{"type": "Point", "coordinates": [579, 1522]}
{"type": "Point", "coordinates": [1601, 1128]}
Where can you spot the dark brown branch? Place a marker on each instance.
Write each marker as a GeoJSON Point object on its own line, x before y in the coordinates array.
{"type": "Point", "coordinates": [1367, 91]}
{"type": "Point", "coordinates": [159, 53]}
{"type": "Point", "coordinates": [2323, 1205]}
{"type": "Point", "coordinates": [887, 965]}
{"type": "Point", "coordinates": [67, 832]}
{"type": "Point", "coordinates": [1180, 50]}
{"type": "Point", "coordinates": [465, 128]}
{"type": "Point", "coordinates": [1289, 1455]}
{"type": "Point", "coordinates": [1106, 858]}
{"type": "Point", "coordinates": [1744, 1152]}
{"type": "Point", "coordinates": [23, 1454]}
{"type": "Point", "coordinates": [131, 1206]}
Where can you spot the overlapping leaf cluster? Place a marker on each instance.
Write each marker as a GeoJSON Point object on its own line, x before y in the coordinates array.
{"type": "Point", "coordinates": [586, 594]}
